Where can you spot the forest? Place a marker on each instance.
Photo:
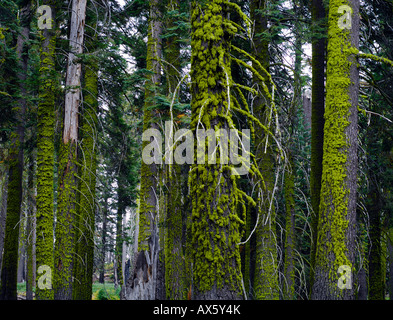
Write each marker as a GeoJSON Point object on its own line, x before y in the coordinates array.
{"type": "Point", "coordinates": [196, 150]}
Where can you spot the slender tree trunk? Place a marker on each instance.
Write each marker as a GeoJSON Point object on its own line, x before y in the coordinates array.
{"type": "Point", "coordinates": [317, 120]}
{"type": "Point", "coordinates": [119, 236]}
{"type": "Point", "coordinates": [289, 188]}
{"type": "Point", "coordinates": [376, 277]}
{"type": "Point", "coordinates": [335, 251]}
{"type": "Point", "coordinates": [174, 255]}
{"type": "Point", "coordinates": [103, 243]}
{"type": "Point", "coordinates": [3, 214]}
{"type": "Point", "coordinates": [142, 284]}
{"type": "Point", "coordinates": [266, 268]}
{"type": "Point", "coordinates": [65, 223]}
{"type": "Point", "coordinates": [45, 153]}
{"type": "Point", "coordinates": [390, 255]}
{"type": "Point", "coordinates": [86, 207]}
{"type": "Point", "coordinates": [30, 229]}
{"type": "Point", "coordinates": [14, 200]}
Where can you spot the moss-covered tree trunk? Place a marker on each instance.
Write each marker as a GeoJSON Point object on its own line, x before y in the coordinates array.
{"type": "Point", "coordinates": [174, 254]}
{"type": "Point", "coordinates": [317, 120]}
{"type": "Point", "coordinates": [16, 162]}
{"type": "Point", "coordinates": [334, 260]}
{"type": "Point", "coordinates": [86, 207]}
{"type": "Point", "coordinates": [68, 184]}
{"type": "Point", "coordinates": [3, 211]}
{"type": "Point", "coordinates": [266, 263]}
{"type": "Point", "coordinates": [215, 221]}
{"type": "Point", "coordinates": [290, 172]}
{"type": "Point", "coordinates": [45, 152]}
{"type": "Point", "coordinates": [30, 229]}
{"type": "Point", "coordinates": [142, 284]}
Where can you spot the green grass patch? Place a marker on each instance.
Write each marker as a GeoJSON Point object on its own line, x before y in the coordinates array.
{"type": "Point", "coordinates": [105, 291]}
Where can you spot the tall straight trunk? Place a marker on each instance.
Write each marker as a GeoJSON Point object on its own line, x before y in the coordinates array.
{"type": "Point", "coordinates": [289, 187]}
{"type": "Point", "coordinates": [16, 161]}
{"type": "Point", "coordinates": [68, 184]}
{"type": "Point", "coordinates": [45, 153]}
{"type": "Point", "coordinates": [30, 229]}
{"type": "Point", "coordinates": [142, 284]}
{"type": "Point", "coordinates": [119, 235]}
{"type": "Point", "coordinates": [3, 211]}
{"type": "Point", "coordinates": [317, 120]}
{"type": "Point", "coordinates": [174, 253]}
{"type": "Point", "coordinates": [215, 222]}
{"type": "Point", "coordinates": [376, 276]}
{"type": "Point", "coordinates": [335, 251]}
{"type": "Point", "coordinates": [86, 207]}
{"type": "Point", "coordinates": [266, 268]}
{"type": "Point", "coordinates": [390, 255]}
{"type": "Point", "coordinates": [103, 243]}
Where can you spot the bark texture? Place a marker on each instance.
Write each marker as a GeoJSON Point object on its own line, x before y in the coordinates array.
{"type": "Point", "coordinates": [65, 223]}
{"type": "Point", "coordinates": [337, 213]}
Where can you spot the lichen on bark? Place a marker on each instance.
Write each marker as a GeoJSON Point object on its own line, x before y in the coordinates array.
{"type": "Point", "coordinates": [337, 213]}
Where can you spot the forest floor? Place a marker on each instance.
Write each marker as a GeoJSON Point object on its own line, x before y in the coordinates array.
{"type": "Point", "coordinates": [101, 291]}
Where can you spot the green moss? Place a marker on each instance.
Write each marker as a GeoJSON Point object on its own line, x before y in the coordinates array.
{"type": "Point", "coordinates": [266, 284]}
{"type": "Point", "coordinates": [45, 157]}
{"type": "Point", "coordinates": [147, 204]}
{"type": "Point", "coordinates": [289, 268]}
{"type": "Point", "coordinates": [65, 220]}
{"type": "Point", "coordinates": [333, 224]}
{"type": "Point", "coordinates": [86, 206]}
{"type": "Point", "coordinates": [8, 290]}
{"type": "Point", "coordinates": [215, 221]}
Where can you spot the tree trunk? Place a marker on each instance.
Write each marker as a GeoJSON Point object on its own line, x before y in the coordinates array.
{"type": "Point", "coordinates": [65, 223]}
{"type": "Point", "coordinates": [334, 259]}
{"type": "Point", "coordinates": [142, 283]}
{"type": "Point", "coordinates": [215, 222]}
{"type": "Point", "coordinates": [390, 254]}
{"type": "Point", "coordinates": [3, 214]}
{"type": "Point", "coordinates": [30, 230]}
{"type": "Point", "coordinates": [86, 207]}
{"type": "Point", "coordinates": [317, 120]}
{"type": "Point", "coordinates": [174, 255]}
{"type": "Point", "coordinates": [15, 175]}
{"type": "Point", "coordinates": [45, 153]}
{"type": "Point", "coordinates": [103, 243]}
{"type": "Point", "coordinates": [376, 277]}
{"type": "Point", "coordinates": [119, 236]}
{"type": "Point", "coordinates": [266, 268]}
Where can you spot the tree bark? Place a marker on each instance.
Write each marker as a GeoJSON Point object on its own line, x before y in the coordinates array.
{"type": "Point", "coordinates": [266, 268]}
{"type": "Point", "coordinates": [335, 251]}
{"type": "Point", "coordinates": [65, 224]}
{"type": "Point", "coordinates": [30, 229]}
{"type": "Point", "coordinates": [103, 243]}
{"type": "Point", "coordinates": [45, 152]}
{"type": "Point", "coordinates": [142, 283]}
{"type": "Point", "coordinates": [317, 119]}
{"type": "Point", "coordinates": [14, 200]}
{"type": "Point", "coordinates": [86, 207]}
{"type": "Point", "coordinates": [215, 222]}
